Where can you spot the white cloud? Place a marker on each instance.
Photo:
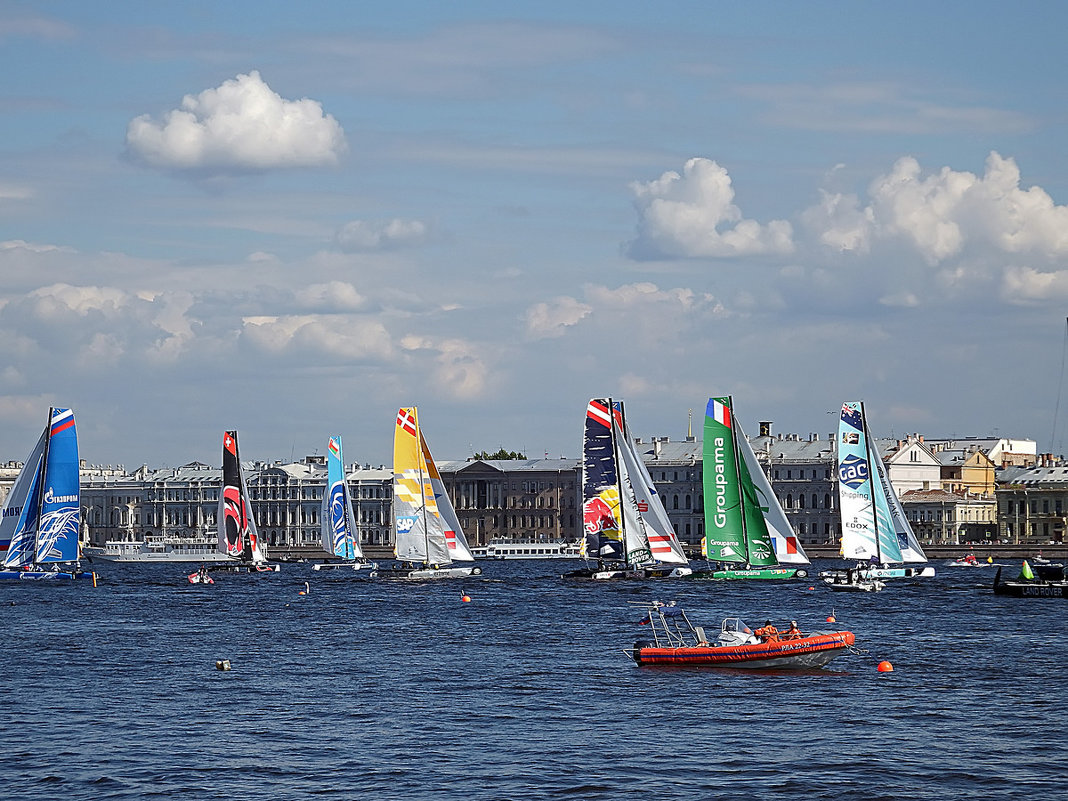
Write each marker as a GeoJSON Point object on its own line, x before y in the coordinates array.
{"type": "Point", "coordinates": [363, 235]}
{"type": "Point", "coordinates": [944, 213]}
{"type": "Point", "coordinates": [20, 244]}
{"type": "Point", "coordinates": [459, 369]}
{"type": "Point", "coordinates": [693, 216]}
{"type": "Point", "coordinates": [241, 125]}
{"type": "Point", "coordinates": [552, 319]}
{"type": "Point", "coordinates": [1026, 285]}
{"type": "Point", "coordinates": [331, 296]}
{"type": "Point", "coordinates": [349, 338]}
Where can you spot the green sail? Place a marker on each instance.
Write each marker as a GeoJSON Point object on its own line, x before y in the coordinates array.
{"type": "Point", "coordinates": [735, 530]}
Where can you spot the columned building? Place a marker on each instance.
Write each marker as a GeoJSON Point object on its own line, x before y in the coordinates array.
{"type": "Point", "coordinates": [1032, 506]}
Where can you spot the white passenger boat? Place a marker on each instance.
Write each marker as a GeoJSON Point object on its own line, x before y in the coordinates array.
{"type": "Point", "coordinates": [157, 551]}
{"type": "Point", "coordinates": [529, 550]}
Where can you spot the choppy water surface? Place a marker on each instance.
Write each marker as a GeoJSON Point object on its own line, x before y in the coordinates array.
{"type": "Point", "coordinates": [387, 689]}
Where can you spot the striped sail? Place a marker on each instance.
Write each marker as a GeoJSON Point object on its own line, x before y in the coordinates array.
{"type": "Point", "coordinates": [663, 543]}
{"type": "Point", "coordinates": [601, 515]}
{"type": "Point", "coordinates": [867, 527]}
{"type": "Point", "coordinates": [239, 538]}
{"type": "Point", "coordinates": [419, 530]}
{"type": "Point", "coordinates": [340, 534]}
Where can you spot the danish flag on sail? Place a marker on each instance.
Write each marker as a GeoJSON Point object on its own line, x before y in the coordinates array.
{"type": "Point", "coordinates": [406, 420]}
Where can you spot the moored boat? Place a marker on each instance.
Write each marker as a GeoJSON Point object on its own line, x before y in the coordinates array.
{"type": "Point", "coordinates": [165, 550]}
{"type": "Point", "coordinates": [529, 550]}
{"type": "Point", "coordinates": [1027, 585]}
{"type": "Point", "coordinates": [676, 641]}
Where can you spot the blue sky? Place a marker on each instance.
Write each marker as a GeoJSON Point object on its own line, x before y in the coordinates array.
{"type": "Point", "coordinates": [292, 220]}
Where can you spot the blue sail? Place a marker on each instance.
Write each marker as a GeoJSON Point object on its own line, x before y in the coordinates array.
{"type": "Point", "coordinates": [18, 524]}
{"type": "Point", "coordinates": [61, 508]}
{"type": "Point", "coordinates": [338, 522]}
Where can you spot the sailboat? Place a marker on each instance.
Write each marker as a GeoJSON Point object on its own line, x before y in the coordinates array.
{"type": "Point", "coordinates": [745, 526]}
{"type": "Point", "coordinates": [428, 540]}
{"type": "Point", "coordinates": [41, 517]}
{"type": "Point", "coordinates": [875, 533]}
{"type": "Point", "coordinates": [341, 537]}
{"type": "Point", "coordinates": [239, 539]}
{"type": "Point", "coordinates": [627, 529]}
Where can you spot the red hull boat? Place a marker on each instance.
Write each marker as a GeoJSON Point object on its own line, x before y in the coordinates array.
{"type": "Point", "coordinates": [676, 641]}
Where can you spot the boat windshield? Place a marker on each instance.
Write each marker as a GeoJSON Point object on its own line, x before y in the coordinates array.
{"type": "Point", "coordinates": [736, 625]}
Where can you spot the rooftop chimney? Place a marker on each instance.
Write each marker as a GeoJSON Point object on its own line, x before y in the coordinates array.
{"type": "Point", "coordinates": [765, 428]}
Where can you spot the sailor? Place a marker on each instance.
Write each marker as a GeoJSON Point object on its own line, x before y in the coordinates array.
{"type": "Point", "coordinates": [768, 632]}
{"type": "Point", "coordinates": [793, 633]}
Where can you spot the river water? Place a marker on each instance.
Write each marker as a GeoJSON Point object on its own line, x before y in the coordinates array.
{"type": "Point", "coordinates": [371, 688]}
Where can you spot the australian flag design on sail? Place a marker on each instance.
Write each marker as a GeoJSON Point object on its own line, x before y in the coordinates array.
{"type": "Point", "coordinates": [851, 415]}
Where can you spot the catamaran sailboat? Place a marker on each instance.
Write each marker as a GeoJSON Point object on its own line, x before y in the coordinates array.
{"type": "Point", "coordinates": [627, 529]}
{"type": "Point", "coordinates": [41, 517]}
{"type": "Point", "coordinates": [239, 539]}
{"type": "Point", "coordinates": [429, 542]}
{"type": "Point", "coordinates": [745, 527]}
{"type": "Point", "coordinates": [875, 533]}
{"type": "Point", "coordinates": [341, 537]}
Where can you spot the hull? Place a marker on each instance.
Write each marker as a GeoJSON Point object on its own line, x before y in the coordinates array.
{"type": "Point", "coordinates": [246, 568]}
{"type": "Point", "coordinates": [807, 652]}
{"type": "Point", "coordinates": [1030, 589]}
{"type": "Point", "coordinates": [883, 572]}
{"type": "Point", "coordinates": [762, 573]}
{"type": "Point", "coordinates": [666, 571]}
{"type": "Point", "coordinates": [528, 550]}
{"type": "Point", "coordinates": [854, 586]}
{"type": "Point", "coordinates": [345, 566]}
{"type": "Point", "coordinates": [44, 575]}
{"type": "Point", "coordinates": [430, 573]}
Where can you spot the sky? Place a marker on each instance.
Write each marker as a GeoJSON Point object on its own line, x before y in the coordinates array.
{"type": "Point", "coordinates": [292, 219]}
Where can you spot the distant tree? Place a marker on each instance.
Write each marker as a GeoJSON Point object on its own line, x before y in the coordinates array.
{"type": "Point", "coordinates": [501, 454]}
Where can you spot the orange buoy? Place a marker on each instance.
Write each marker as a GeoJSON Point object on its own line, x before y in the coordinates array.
{"type": "Point", "coordinates": [465, 598]}
{"type": "Point", "coordinates": [885, 667]}
{"type": "Point", "coordinates": [812, 588]}
{"type": "Point", "coordinates": [832, 619]}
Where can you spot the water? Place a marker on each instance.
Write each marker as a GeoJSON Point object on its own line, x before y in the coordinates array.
{"type": "Point", "coordinates": [389, 690]}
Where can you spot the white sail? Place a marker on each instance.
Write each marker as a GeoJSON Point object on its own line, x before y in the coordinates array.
{"type": "Point", "coordinates": [635, 540]}
{"type": "Point", "coordinates": [906, 537]}
{"type": "Point", "coordinates": [663, 544]}
{"type": "Point", "coordinates": [18, 523]}
{"type": "Point", "coordinates": [455, 541]}
{"type": "Point", "coordinates": [259, 555]}
{"type": "Point", "coordinates": [788, 550]}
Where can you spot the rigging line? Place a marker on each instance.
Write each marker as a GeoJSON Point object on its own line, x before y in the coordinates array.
{"type": "Point", "coordinates": [1060, 387]}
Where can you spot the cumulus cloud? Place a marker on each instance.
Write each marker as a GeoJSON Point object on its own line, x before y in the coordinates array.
{"type": "Point", "coordinates": [333, 296]}
{"type": "Point", "coordinates": [553, 318]}
{"type": "Point", "coordinates": [459, 368]}
{"type": "Point", "coordinates": [693, 215]}
{"type": "Point", "coordinates": [944, 213]}
{"type": "Point", "coordinates": [241, 125]}
{"type": "Point", "coordinates": [351, 339]}
{"type": "Point", "coordinates": [1027, 285]}
{"type": "Point", "coordinates": [364, 235]}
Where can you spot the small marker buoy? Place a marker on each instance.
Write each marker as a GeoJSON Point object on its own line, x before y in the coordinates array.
{"type": "Point", "coordinates": [832, 619]}
{"type": "Point", "coordinates": [465, 598]}
{"type": "Point", "coordinates": [884, 667]}
{"type": "Point", "coordinates": [222, 664]}
{"type": "Point", "coordinates": [812, 588]}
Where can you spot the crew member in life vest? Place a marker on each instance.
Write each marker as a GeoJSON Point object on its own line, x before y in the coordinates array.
{"type": "Point", "coordinates": [793, 633]}
{"type": "Point", "coordinates": [767, 632]}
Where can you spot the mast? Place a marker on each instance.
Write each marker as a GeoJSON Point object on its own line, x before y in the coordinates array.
{"type": "Point", "coordinates": [422, 485]}
{"type": "Point", "coordinates": [738, 477]}
{"type": "Point", "coordinates": [872, 475]}
{"type": "Point", "coordinates": [44, 478]}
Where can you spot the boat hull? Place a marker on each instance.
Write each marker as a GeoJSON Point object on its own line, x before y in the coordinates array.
{"type": "Point", "coordinates": [167, 554]}
{"type": "Point", "coordinates": [345, 566]}
{"type": "Point", "coordinates": [667, 571]}
{"type": "Point", "coordinates": [1030, 589]}
{"type": "Point", "coordinates": [806, 652]}
{"type": "Point", "coordinates": [44, 575]}
{"type": "Point", "coordinates": [884, 572]}
{"type": "Point", "coordinates": [759, 573]}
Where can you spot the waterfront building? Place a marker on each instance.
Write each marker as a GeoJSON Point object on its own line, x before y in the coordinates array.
{"type": "Point", "coordinates": [675, 467]}
{"type": "Point", "coordinates": [942, 517]}
{"type": "Point", "coordinates": [1033, 504]}
{"type": "Point", "coordinates": [515, 500]}
{"type": "Point", "coordinates": [910, 464]}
